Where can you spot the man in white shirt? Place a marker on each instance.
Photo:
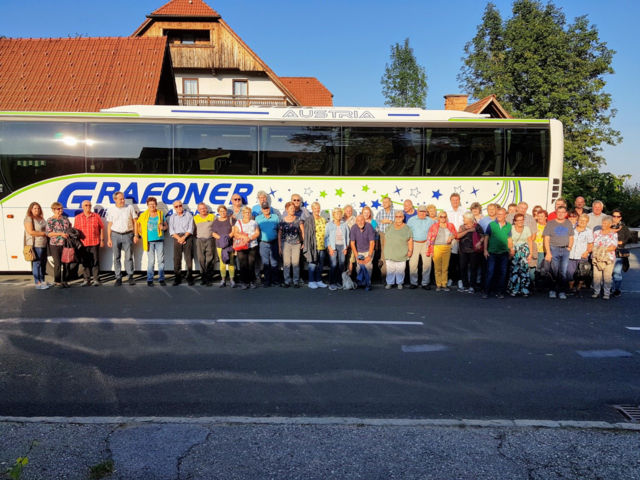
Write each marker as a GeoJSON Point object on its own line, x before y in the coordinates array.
{"type": "Point", "coordinates": [595, 217]}
{"type": "Point", "coordinates": [455, 214]}
{"type": "Point", "coordinates": [122, 233]}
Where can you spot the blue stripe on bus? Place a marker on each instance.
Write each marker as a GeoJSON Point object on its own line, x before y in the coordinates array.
{"type": "Point", "coordinates": [403, 114]}
{"type": "Point", "coordinates": [216, 111]}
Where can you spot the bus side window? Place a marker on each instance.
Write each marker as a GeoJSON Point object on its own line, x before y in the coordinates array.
{"type": "Point", "coordinates": [528, 151]}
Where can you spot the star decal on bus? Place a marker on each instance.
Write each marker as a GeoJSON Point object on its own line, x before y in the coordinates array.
{"type": "Point", "coordinates": [436, 194]}
{"type": "Point", "coordinates": [365, 188]}
{"type": "Point", "coordinates": [308, 191]}
{"type": "Point", "coordinates": [375, 204]}
{"type": "Point", "coordinates": [415, 192]}
{"type": "Point", "coordinates": [339, 192]}
{"type": "Point", "coordinates": [458, 190]}
{"type": "Point", "coordinates": [323, 194]}
{"type": "Point", "coordinates": [397, 190]}
{"type": "Point", "coordinates": [363, 204]}
{"type": "Point", "coordinates": [475, 191]}
{"type": "Point", "coordinates": [272, 192]}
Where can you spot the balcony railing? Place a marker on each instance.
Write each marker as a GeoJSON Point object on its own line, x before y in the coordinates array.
{"type": "Point", "coordinates": [232, 101]}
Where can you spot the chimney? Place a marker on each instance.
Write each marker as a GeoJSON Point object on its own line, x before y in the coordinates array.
{"type": "Point", "coordinates": [455, 102]}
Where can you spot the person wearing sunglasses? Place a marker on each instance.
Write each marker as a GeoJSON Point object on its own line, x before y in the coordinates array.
{"type": "Point", "coordinates": [181, 229]}
{"type": "Point", "coordinates": [56, 228]}
{"type": "Point", "coordinates": [441, 236]}
{"type": "Point", "coordinates": [624, 237]}
{"type": "Point", "coordinates": [237, 203]}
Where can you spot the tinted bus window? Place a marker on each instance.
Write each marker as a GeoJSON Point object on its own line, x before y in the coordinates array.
{"type": "Point", "coordinates": [129, 148]}
{"type": "Point", "coordinates": [216, 150]}
{"type": "Point", "coordinates": [454, 152]}
{"type": "Point", "coordinates": [382, 152]}
{"type": "Point", "coordinates": [300, 151]}
{"type": "Point", "coordinates": [32, 151]}
{"type": "Point", "coordinates": [527, 152]}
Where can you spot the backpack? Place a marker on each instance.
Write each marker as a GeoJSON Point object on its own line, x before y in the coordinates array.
{"type": "Point", "coordinates": [347, 283]}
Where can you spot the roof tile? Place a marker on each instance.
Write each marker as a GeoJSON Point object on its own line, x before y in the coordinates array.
{"type": "Point", "coordinates": [189, 8]}
{"type": "Point", "coordinates": [309, 91]}
{"type": "Point", "coordinates": [59, 75]}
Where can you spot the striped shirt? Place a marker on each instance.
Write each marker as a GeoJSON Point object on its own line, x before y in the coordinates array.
{"type": "Point", "coordinates": [383, 215]}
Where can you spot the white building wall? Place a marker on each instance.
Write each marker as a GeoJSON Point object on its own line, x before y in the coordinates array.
{"type": "Point", "coordinates": [222, 83]}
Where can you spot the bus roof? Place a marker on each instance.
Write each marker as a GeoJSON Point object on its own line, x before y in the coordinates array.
{"type": "Point", "coordinates": [360, 115]}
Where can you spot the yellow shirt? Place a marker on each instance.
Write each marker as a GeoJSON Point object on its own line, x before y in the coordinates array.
{"type": "Point", "coordinates": [539, 239]}
{"type": "Point", "coordinates": [321, 227]}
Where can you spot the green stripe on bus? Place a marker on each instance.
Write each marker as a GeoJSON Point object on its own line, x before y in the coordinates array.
{"type": "Point", "coordinates": [67, 114]}
{"type": "Point", "coordinates": [205, 177]}
{"type": "Point", "coordinates": [497, 120]}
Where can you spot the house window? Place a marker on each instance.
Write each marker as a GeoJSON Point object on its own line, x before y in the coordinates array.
{"type": "Point", "coordinates": [188, 39]}
{"type": "Point", "coordinates": [190, 86]}
{"type": "Point", "coordinates": [240, 87]}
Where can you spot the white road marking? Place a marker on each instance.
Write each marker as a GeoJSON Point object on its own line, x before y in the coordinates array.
{"type": "Point", "coordinates": [188, 321]}
{"type": "Point", "coordinates": [424, 348]}
{"type": "Point", "coordinates": [118, 321]}
{"type": "Point", "coordinates": [633, 328]}
{"type": "Point", "coordinates": [353, 322]}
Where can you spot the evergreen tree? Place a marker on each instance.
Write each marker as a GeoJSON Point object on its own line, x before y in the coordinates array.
{"type": "Point", "coordinates": [541, 67]}
{"type": "Point", "coordinates": [404, 83]}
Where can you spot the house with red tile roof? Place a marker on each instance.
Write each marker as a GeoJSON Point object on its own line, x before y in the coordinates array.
{"type": "Point", "coordinates": [488, 105]}
{"type": "Point", "coordinates": [213, 66]}
{"type": "Point", "coordinates": [84, 74]}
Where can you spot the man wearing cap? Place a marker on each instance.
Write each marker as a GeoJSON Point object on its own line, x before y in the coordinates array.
{"type": "Point", "coordinates": [420, 225]}
{"type": "Point", "coordinates": [268, 223]}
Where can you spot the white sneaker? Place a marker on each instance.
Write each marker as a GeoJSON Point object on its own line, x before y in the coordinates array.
{"type": "Point", "coordinates": [333, 288]}
{"type": "Point", "coordinates": [232, 284]}
{"type": "Point", "coordinates": [400, 287]}
{"type": "Point", "coordinates": [321, 284]}
{"type": "Point", "coordinates": [313, 285]}
{"type": "Point", "coordinates": [552, 294]}
{"type": "Point", "coordinates": [449, 283]}
{"type": "Point", "coordinates": [460, 285]}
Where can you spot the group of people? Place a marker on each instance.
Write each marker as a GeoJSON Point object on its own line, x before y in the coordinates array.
{"type": "Point", "coordinates": [502, 251]}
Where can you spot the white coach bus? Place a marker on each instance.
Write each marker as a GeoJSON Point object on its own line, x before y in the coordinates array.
{"type": "Point", "coordinates": [336, 156]}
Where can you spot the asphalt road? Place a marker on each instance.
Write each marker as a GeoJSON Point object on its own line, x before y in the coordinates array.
{"type": "Point", "coordinates": [170, 351]}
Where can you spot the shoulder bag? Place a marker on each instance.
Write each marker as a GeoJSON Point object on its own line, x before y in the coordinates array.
{"type": "Point", "coordinates": [239, 244]}
{"type": "Point", "coordinates": [27, 251]}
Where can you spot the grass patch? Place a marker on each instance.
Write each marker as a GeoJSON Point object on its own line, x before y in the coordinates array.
{"type": "Point", "coordinates": [101, 470]}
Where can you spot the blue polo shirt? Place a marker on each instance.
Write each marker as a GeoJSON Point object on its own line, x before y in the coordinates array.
{"type": "Point", "coordinates": [362, 237]}
{"type": "Point", "coordinates": [268, 227]}
{"type": "Point", "coordinates": [257, 210]}
{"type": "Point", "coordinates": [420, 228]}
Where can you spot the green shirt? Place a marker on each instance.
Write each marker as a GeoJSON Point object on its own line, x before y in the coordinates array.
{"type": "Point", "coordinates": [396, 243]}
{"type": "Point", "coordinates": [498, 237]}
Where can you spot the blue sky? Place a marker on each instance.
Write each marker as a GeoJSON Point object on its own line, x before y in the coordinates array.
{"type": "Point", "coordinates": [346, 44]}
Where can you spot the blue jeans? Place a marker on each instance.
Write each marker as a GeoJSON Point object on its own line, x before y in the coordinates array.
{"type": "Point", "coordinates": [315, 269]}
{"type": "Point", "coordinates": [40, 264]}
{"type": "Point", "coordinates": [155, 249]}
{"type": "Point", "coordinates": [559, 266]}
{"type": "Point", "coordinates": [497, 266]}
{"type": "Point", "coordinates": [270, 257]}
{"type": "Point", "coordinates": [617, 274]}
{"type": "Point", "coordinates": [336, 265]}
{"type": "Point", "coordinates": [122, 242]}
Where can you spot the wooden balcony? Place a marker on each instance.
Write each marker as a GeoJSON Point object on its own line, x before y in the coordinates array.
{"type": "Point", "coordinates": [231, 101]}
{"type": "Point", "coordinates": [193, 56]}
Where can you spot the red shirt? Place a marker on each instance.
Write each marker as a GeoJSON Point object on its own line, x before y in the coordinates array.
{"type": "Point", "coordinates": [91, 227]}
{"type": "Point", "coordinates": [552, 216]}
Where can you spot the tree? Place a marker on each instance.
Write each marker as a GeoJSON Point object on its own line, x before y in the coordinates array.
{"type": "Point", "coordinates": [404, 83]}
{"type": "Point", "coordinates": [541, 67]}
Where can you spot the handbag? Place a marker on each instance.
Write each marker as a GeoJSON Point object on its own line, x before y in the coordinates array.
{"type": "Point", "coordinates": [238, 243]}
{"type": "Point", "coordinates": [68, 254]}
{"type": "Point", "coordinates": [28, 251]}
{"type": "Point", "coordinates": [476, 240]}
{"type": "Point", "coordinates": [623, 253]}
{"type": "Point", "coordinates": [583, 271]}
